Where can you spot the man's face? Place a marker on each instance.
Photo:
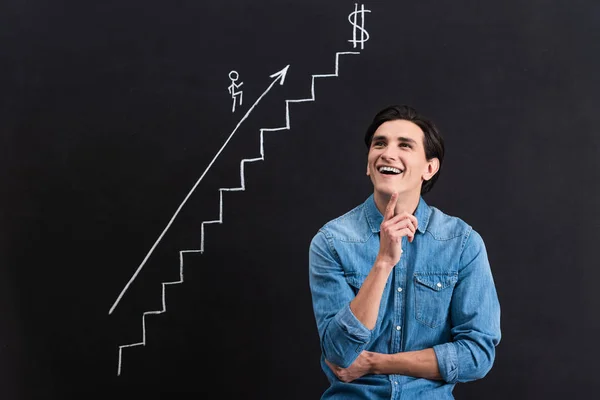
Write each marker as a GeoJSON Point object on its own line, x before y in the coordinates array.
{"type": "Point", "coordinates": [396, 161]}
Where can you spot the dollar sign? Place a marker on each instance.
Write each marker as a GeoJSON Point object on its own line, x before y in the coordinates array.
{"type": "Point", "coordinates": [364, 35]}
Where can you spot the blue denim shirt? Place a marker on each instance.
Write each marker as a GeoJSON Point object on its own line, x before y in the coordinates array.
{"type": "Point", "coordinates": [440, 295]}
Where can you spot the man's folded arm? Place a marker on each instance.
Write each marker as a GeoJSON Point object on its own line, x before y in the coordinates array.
{"type": "Point", "coordinates": [342, 336]}
{"type": "Point", "coordinates": [475, 318]}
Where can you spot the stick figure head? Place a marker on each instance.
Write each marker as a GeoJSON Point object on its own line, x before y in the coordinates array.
{"type": "Point", "coordinates": [233, 75]}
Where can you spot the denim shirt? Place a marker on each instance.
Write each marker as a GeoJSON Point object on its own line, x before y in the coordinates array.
{"type": "Point", "coordinates": [440, 295]}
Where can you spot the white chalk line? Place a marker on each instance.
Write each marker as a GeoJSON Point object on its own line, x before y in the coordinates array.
{"type": "Point", "coordinates": [279, 76]}
{"type": "Point", "coordinates": [242, 187]}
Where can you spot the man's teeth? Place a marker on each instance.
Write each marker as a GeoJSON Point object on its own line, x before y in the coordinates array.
{"type": "Point", "coordinates": [390, 169]}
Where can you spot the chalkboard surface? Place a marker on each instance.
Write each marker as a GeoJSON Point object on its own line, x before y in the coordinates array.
{"type": "Point", "coordinates": [164, 166]}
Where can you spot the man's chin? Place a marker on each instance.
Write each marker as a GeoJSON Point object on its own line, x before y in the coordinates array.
{"type": "Point", "coordinates": [387, 193]}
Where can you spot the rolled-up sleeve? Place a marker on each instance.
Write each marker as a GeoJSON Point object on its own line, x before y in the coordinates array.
{"type": "Point", "coordinates": [342, 335]}
{"type": "Point", "coordinates": [475, 316]}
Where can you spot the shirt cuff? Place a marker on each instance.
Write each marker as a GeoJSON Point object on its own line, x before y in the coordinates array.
{"type": "Point", "coordinates": [447, 361]}
{"type": "Point", "coordinates": [350, 324]}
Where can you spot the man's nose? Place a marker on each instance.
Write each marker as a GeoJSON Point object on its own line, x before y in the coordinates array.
{"type": "Point", "coordinates": [389, 154]}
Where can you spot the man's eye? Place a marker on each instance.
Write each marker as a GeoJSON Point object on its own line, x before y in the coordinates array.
{"type": "Point", "coordinates": [378, 144]}
{"type": "Point", "coordinates": [405, 144]}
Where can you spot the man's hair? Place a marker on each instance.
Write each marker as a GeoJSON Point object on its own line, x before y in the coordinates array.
{"type": "Point", "coordinates": [433, 142]}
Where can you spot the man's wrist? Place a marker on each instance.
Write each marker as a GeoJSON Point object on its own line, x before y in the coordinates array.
{"type": "Point", "coordinates": [373, 360]}
{"type": "Point", "coordinates": [383, 264]}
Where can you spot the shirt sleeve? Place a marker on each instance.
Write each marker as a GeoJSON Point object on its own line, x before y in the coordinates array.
{"type": "Point", "coordinates": [342, 336]}
{"type": "Point", "coordinates": [475, 317]}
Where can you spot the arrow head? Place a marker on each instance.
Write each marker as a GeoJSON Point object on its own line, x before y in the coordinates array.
{"type": "Point", "coordinates": [280, 74]}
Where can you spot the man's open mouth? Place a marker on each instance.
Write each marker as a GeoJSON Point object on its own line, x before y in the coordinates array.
{"type": "Point", "coordinates": [389, 170]}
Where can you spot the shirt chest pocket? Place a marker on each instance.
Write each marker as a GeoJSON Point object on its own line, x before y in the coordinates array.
{"type": "Point", "coordinates": [433, 293]}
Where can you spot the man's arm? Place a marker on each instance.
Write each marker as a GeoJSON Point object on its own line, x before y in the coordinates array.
{"type": "Point", "coordinates": [365, 306]}
{"type": "Point", "coordinates": [345, 321]}
{"type": "Point", "coordinates": [475, 318]}
{"type": "Point", "coordinates": [475, 327]}
{"type": "Point", "coordinates": [419, 364]}
{"type": "Point", "coordinates": [341, 335]}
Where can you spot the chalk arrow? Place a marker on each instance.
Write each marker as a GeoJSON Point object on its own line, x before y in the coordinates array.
{"type": "Point", "coordinates": [279, 76]}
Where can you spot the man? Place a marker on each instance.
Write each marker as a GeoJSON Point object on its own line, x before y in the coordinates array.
{"type": "Point", "coordinates": [403, 294]}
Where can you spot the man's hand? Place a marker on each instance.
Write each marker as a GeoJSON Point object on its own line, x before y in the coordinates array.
{"type": "Point", "coordinates": [360, 367]}
{"type": "Point", "coordinates": [392, 229]}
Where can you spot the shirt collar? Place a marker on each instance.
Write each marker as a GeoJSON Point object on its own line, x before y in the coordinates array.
{"type": "Point", "coordinates": [375, 218]}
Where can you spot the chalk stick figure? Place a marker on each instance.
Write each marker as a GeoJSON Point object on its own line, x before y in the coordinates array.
{"type": "Point", "coordinates": [233, 75]}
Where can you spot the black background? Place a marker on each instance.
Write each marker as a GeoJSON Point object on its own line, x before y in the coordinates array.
{"type": "Point", "coordinates": [111, 110]}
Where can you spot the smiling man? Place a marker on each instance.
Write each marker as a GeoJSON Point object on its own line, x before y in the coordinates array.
{"type": "Point", "coordinates": [403, 294]}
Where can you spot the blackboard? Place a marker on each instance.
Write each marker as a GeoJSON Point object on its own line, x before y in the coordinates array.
{"type": "Point", "coordinates": [123, 153]}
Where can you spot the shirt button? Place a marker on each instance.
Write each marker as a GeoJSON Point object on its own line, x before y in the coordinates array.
{"type": "Point", "coordinates": [399, 289]}
{"type": "Point", "coordinates": [439, 284]}
{"type": "Point", "coordinates": [398, 327]}
{"type": "Point", "coordinates": [395, 382]}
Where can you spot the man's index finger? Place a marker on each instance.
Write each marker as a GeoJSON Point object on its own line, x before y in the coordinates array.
{"type": "Point", "coordinates": [389, 211]}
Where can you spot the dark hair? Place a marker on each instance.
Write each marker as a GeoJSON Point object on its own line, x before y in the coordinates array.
{"type": "Point", "coordinates": [433, 142]}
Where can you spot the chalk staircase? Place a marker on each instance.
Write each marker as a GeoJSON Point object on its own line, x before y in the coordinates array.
{"type": "Point", "coordinates": [219, 220]}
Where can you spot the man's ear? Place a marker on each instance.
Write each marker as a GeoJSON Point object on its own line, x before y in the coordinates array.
{"type": "Point", "coordinates": [368, 172]}
{"type": "Point", "coordinates": [433, 166]}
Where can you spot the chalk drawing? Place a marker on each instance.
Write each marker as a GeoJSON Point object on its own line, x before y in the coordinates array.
{"type": "Point", "coordinates": [234, 76]}
{"type": "Point", "coordinates": [262, 153]}
{"type": "Point", "coordinates": [279, 76]}
{"type": "Point", "coordinates": [364, 35]}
